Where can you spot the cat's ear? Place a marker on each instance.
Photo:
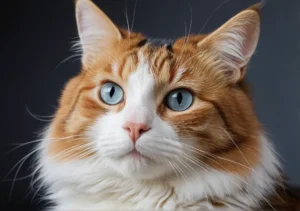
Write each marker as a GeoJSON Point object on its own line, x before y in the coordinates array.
{"type": "Point", "coordinates": [233, 44]}
{"type": "Point", "coordinates": [96, 31]}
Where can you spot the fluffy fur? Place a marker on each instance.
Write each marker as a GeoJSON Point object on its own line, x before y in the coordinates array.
{"type": "Point", "coordinates": [214, 155]}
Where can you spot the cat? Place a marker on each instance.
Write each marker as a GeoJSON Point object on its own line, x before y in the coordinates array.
{"type": "Point", "coordinates": [161, 125]}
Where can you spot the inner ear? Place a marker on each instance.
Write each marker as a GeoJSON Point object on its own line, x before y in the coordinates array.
{"type": "Point", "coordinates": [233, 44]}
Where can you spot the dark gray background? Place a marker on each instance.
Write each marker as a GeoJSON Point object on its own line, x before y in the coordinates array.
{"type": "Point", "coordinates": [37, 35]}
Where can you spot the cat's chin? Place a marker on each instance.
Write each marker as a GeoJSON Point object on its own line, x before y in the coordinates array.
{"type": "Point", "coordinates": [137, 166]}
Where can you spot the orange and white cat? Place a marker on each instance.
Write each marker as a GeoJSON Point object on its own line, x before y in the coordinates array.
{"type": "Point", "coordinates": [160, 127]}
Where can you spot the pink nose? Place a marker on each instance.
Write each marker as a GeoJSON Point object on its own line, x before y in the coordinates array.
{"type": "Point", "coordinates": [135, 130]}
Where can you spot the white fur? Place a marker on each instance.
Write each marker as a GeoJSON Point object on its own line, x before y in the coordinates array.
{"type": "Point", "coordinates": [114, 179]}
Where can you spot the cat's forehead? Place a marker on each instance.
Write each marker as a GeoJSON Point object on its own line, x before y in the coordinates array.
{"type": "Point", "coordinates": [154, 58]}
{"type": "Point", "coordinates": [166, 60]}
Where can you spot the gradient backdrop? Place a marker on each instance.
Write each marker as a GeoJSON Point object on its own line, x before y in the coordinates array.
{"type": "Point", "coordinates": [37, 36]}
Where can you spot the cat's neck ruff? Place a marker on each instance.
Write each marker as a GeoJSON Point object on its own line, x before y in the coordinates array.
{"type": "Point", "coordinates": [76, 185]}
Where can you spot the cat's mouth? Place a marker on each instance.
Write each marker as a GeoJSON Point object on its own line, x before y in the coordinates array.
{"type": "Point", "coordinates": [136, 155]}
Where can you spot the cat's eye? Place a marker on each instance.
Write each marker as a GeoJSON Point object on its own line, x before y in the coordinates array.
{"type": "Point", "coordinates": [111, 93]}
{"type": "Point", "coordinates": [179, 99]}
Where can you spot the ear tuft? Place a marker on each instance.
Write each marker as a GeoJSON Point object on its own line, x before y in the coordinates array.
{"type": "Point", "coordinates": [258, 6]}
{"type": "Point", "coordinates": [234, 42]}
{"type": "Point", "coordinates": [96, 30]}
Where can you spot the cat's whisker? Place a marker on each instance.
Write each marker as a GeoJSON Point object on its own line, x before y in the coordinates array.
{"type": "Point", "coordinates": [249, 163]}
{"type": "Point", "coordinates": [83, 154]}
{"type": "Point", "coordinates": [181, 173]}
{"type": "Point", "coordinates": [160, 149]}
{"type": "Point", "coordinates": [170, 169]}
{"type": "Point", "coordinates": [234, 162]}
{"type": "Point", "coordinates": [249, 185]}
{"type": "Point", "coordinates": [204, 166]}
{"type": "Point", "coordinates": [211, 15]}
{"type": "Point", "coordinates": [133, 15]}
{"type": "Point", "coordinates": [202, 153]}
{"type": "Point", "coordinates": [19, 145]}
{"type": "Point", "coordinates": [228, 160]}
{"type": "Point", "coordinates": [40, 140]}
{"type": "Point", "coordinates": [187, 35]}
{"type": "Point", "coordinates": [39, 117]}
{"type": "Point", "coordinates": [194, 173]}
{"type": "Point", "coordinates": [34, 180]}
{"type": "Point", "coordinates": [172, 166]}
{"type": "Point", "coordinates": [252, 169]}
{"type": "Point", "coordinates": [20, 163]}
{"type": "Point", "coordinates": [127, 19]}
{"type": "Point", "coordinates": [71, 150]}
{"type": "Point", "coordinates": [18, 179]}
{"type": "Point", "coordinates": [200, 163]}
{"type": "Point", "coordinates": [196, 162]}
{"type": "Point", "coordinates": [236, 146]}
{"type": "Point", "coordinates": [74, 139]}
{"type": "Point", "coordinates": [77, 56]}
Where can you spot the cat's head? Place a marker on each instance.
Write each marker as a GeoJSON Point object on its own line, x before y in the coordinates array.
{"type": "Point", "coordinates": [145, 110]}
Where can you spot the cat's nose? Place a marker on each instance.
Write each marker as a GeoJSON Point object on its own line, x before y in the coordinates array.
{"type": "Point", "coordinates": [135, 130]}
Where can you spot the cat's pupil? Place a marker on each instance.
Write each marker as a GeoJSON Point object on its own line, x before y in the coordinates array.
{"type": "Point", "coordinates": [112, 91]}
{"type": "Point", "coordinates": [179, 98]}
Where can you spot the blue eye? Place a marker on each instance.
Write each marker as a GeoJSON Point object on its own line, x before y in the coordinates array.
{"type": "Point", "coordinates": [179, 100]}
{"type": "Point", "coordinates": [111, 93]}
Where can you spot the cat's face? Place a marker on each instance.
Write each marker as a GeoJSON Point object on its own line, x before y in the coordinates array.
{"type": "Point", "coordinates": [146, 111]}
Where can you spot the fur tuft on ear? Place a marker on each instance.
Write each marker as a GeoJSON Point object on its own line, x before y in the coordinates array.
{"type": "Point", "coordinates": [234, 43]}
{"type": "Point", "coordinates": [96, 30]}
